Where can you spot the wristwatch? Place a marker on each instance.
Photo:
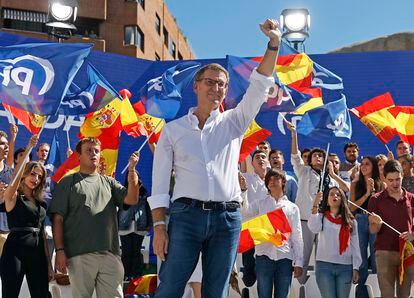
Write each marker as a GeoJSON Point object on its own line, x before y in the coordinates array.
{"type": "Point", "coordinates": [269, 47]}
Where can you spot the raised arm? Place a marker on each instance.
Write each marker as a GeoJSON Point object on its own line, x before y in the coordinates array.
{"type": "Point", "coordinates": [10, 192]}
{"type": "Point", "coordinates": [271, 29]}
{"type": "Point", "coordinates": [13, 134]}
{"type": "Point", "coordinates": [133, 189]}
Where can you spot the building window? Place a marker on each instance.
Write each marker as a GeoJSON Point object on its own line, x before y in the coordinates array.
{"type": "Point", "coordinates": [141, 2]}
{"type": "Point", "coordinates": [173, 49]}
{"type": "Point", "coordinates": [180, 57]}
{"type": "Point", "coordinates": [157, 57]}
{"type": "Point", "coordinates": [165, 32]}
{"type": "Point", "coordinates": [158, 24]}
{"type": "Point", "coordinates": [134, 36]}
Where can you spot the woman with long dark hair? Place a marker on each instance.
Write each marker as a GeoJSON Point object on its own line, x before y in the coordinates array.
{"type": "Point", "coordinates": [338, 256]}
{"type": "Point", "coordinates": [367, 184]}
{"type": "Point", "coordinates": [25, 252]}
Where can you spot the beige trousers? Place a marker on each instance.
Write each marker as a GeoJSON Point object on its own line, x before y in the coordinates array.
{"type": "Point", "coordinates": [101, 270]}
{"type": "Point", "coordinates": [388, 275]}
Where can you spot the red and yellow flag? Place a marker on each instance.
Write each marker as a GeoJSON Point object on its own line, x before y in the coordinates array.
{"type": "Point", "coordinates": [406, 257]}
{"type": "Point", "coordinates": [106, 125]}
{"type": "Point", "coordinates": [375, 114]}
{"type": "Point", "coordinates": [148, 122]}
{"type": "Point", "coordinates": [404, 122]}
{"type": "Point", "coordinates": [32, 122]}
{"type": "Point", "coordinates": [253, 136]}
{"type": "Point", "coordinates": [271, 227]}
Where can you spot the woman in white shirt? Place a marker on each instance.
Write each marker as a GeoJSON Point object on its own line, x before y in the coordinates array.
{"type": "Point", "coordinates": [274, 265]}
{"type": "Point", "coordinates": [338, 256]}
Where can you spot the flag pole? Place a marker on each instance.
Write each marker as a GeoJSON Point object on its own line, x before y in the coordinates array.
{"type": "Point", "coordinates": [370, 213]}
{"type": "Point", "coordinates": [67, 133]}
{"type": "Point", "coordinates": [29, 151]}
{"type": "Point", "coordinates": [386, 147]}
{"type": "Point", "coordinates": [143, 144]}
{"type": "Point", "coordinates": [324, 167]}
{"type": "Point", "coordinates": [11, 118]}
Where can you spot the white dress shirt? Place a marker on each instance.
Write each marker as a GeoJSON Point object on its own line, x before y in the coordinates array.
{"type": "Point", "coordinates": [256, 190]}
{"type": "Point", "coordinates": [328, 242]}
{"type": "Point", "coordinates": [293, 249]}
{"type": "Point", "coordinates": [205, 160]}
{"type": "Point", "coordinates": [308, 184]}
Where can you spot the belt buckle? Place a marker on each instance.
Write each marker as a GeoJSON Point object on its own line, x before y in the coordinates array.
{"type": "Point", "coordinates": [204, 208]}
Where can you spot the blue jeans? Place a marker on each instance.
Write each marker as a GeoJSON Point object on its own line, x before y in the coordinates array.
{"type": "Point", "coordinates": [334, 280]}
{"type": "Point", "coordinates": [273, 277]}
{"type": "Point", "coordinates": [366, 240]}
{"type": "Point", "coordinates": [191, 230]}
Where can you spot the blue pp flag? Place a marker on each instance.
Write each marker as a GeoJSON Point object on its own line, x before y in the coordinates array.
{"type": "Point", "coordinates": [36, 77]}
{"type": "Point", "coordinates": [97, 94]}
{"type": "Point", "coordinates": [162, 95]}
{"type": "Point", "coordinates": [327, 122]}
{"type": "Point", "coordinates": [280, 96]}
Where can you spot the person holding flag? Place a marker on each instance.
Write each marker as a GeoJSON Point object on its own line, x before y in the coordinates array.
{"type": "Point", "coordinates": [392, 207]}
{"type": "Point", "coordinates": [274, 265]}
{"type": "Point", "coordinates": [337, 256]}
{"type": "Point", "coordinates": [203, 149]}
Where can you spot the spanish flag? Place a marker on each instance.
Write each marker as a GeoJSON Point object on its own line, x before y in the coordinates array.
{"type": "Point", "coordinates": [406, 257]}
{"type": "Point", "coordinates": [148, 122]}
{"type": "Point", "coordinates": [271, 227]}
{"type": "Point", "coordinates": [375, 114]}
{"type": "Point", "coordinates": [253, 136]}
{"type": "Point", "coordinates": [404, 122]}
{"type": "Point", "coordinates": [106, 125]}
{"type": "Point", "coordinates": [32, 122]}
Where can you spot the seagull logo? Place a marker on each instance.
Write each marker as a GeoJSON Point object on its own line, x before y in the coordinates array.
{"type": "Point", "coordinates": [32, 74]}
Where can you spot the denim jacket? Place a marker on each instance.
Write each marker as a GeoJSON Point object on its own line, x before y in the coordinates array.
{"type": "Point", "coordinates": [140, 212]}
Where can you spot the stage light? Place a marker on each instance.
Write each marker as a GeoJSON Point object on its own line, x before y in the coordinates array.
{"type": "Point", "coordinates": [295, 24]}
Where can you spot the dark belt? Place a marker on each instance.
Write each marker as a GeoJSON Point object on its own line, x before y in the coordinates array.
{"type": "Point", "coordinates": [209, 205]}
{"type": "Point", "coordinates": [25, 229]}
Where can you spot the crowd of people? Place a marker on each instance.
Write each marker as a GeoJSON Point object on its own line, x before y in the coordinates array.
{"type": "Point", "coordinates": [354, 213]}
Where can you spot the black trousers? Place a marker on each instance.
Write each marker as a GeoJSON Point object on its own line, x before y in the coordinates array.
{"type": "Point", "coordinates": [18, 260]}
{"type": "Point", "coordinates": [131, 257]}
{"type": "Point", "coordinates": [249, 267]}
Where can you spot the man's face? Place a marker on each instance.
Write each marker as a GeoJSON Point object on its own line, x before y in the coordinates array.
{"type": "Point", "coordinates": [403, 148]}
{"type": "Point", "coordinates": [259, 162]}
{"type": "Point", "coordinates": [4, 148]}
{"type": "Point", "coordinates": [305, 157]}
{"type": "Point", "coordinates": [276, 161]}
{"type": "Point", "coordinates": [264, 147]}
{"type": "Point", "coordinates": [317, 159]}
{"type": "Point", "coordinates": [43, 152]}
{"type": "Point", "coordinates": [90, 155]}
{"type": "Point", "coordinates": [351, 154]}
{"type": "Point", "coordinates": [335, 162]}
{"type": "Point", "coordinates": [211, 89]}
{"type": "Point", "coordinates": [393, 181]}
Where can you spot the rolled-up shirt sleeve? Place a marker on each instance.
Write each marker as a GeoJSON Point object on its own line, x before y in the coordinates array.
{"type": "Point", "coordinates": [298, 165]}
{"type": "Point", "coordinates": [297, 239]}
{"type": "Point", "coordinates": [161, 172]}
{"type": "Point", "coordinates": [356, 252]}
{"type": "Point", "coordinates": [256, 94]}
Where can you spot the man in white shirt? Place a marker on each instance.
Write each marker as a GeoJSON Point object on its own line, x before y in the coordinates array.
{"type": "Point", "coordinates": [203, 148]}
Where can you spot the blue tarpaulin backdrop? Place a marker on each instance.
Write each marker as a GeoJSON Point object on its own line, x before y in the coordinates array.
{"type": "Point", "coordinates": [365, 75]}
